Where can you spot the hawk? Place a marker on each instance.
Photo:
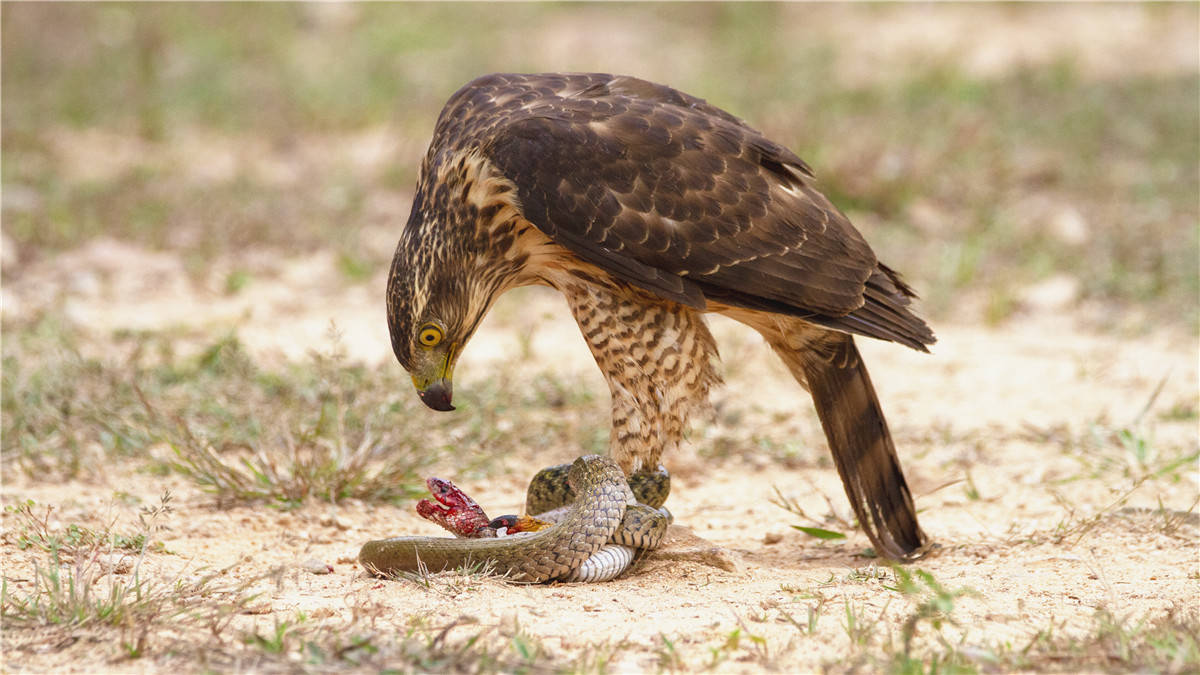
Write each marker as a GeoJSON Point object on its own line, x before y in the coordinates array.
{"type": "Point", "coordinates": [646, 208]}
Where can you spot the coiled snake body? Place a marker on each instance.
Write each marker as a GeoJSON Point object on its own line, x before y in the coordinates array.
{"type": "Point", "coordinates": [578, 547]}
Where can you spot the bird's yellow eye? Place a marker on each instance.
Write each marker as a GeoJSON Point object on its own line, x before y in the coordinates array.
{"type": "Point", "coordinates": [430, 335]}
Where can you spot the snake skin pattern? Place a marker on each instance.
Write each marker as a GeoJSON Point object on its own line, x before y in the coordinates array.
{"type": "Point", "coordinates": [555, 553]}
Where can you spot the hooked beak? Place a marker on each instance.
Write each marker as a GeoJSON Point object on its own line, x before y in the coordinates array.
{"type": "Point", "coordinates": [434, 381]}
{"type": "Point", "coordinates": [437, 395]}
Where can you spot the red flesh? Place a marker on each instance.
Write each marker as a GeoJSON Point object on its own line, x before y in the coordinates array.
{"type": "Point", "coordinates": [456, 512]}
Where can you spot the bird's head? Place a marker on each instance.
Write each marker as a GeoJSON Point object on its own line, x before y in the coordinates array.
{"type": "Point", "coordinates": [429, 322]}
{"type": "Point", "coordinates": [436, 297]}
{"type": "Point", "coordinates": [427, 346]}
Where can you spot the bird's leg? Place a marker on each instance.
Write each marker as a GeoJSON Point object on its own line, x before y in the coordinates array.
{"type": "Point", "coordinates": [658, 358]}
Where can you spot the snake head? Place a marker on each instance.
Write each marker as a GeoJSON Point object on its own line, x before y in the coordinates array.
{"type": "Point", "coordinates": [587, 468]}
{"type": "Point", "coordinates": [593, 475]}
{"type": "Point", "coordinates": [579, 471]}
{"type": "Point", "coordinates": [448, 494]}
{"type": "Point", "coordinates": [454, 511]}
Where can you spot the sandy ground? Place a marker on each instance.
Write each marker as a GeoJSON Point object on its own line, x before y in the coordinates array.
{"type": "Point", "coordinates": [1005, 432]}
{"type": "Point", "coordinates": [993, 408]}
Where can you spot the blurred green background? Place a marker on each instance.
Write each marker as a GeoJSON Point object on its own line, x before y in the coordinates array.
{"type": "Point", "coordinates": [190, 188]}
{"type": "Point", "coordinates": [984, 151]}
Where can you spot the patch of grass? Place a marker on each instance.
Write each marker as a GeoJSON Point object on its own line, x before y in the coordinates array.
{"type": "Point", "coordinates": [459, 645]}
{"type": "Point", "coordinates": [58, 406]}
{"type": "Point", "coordinates": [813, 614]}
{"type": "Point", "coordinates": [934, 609]}
{"type": "Point", "coordinates": [249, 434]}
{"type": "Point", "coordinates": [598, 657]}
{"type": "Point", "coordinates": [933, 638]}
{"type": "Point", "coordinates": [236, 281]}
{"type": "Point", "coordinates": [1172, 521]}
{"type": "Point", "coordinates": [1074, 525]}
{"type": "Point", "coordinates": [669, 658]}
{"type": "Point", "coordinates": [36, 531]}
{"type": "Point", "coordinates": [1165, 642]}
{"type": "Point", "coordinates": [85, 586]}
{"type": "Point", "coordinates": [1157, 641]}
{"type": "Point", "coordinates": [340, 453]}
{"type": "Point", "coordinates": [275, 642]}
{"type": "Point", "coordinates": [861, 629]}
{"type": "Point", "coordinates": [84, 580]}
{"type": "Point", "coordinates": [1123, 460]}
{"type": "Point", "coordinates": [733, 643]}
{"type": "Point", "coordinates": [739, 645]}
{"type": "Point", "coordinates": [452, 583]}
{"type": "Point", "coordinates": [527, 648]}
{"type": "Point", "coordinates": [1118, 454]}
{"type": "Point", "coordinates": [324, 429]}
{"type": "Point", "coordinates": [925, 645]}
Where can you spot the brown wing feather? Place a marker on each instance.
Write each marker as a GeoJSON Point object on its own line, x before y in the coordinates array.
{"type": "Point", "coordinates": [675, 195]}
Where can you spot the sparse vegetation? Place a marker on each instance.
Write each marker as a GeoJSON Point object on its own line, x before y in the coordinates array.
{"type": "Point", "coordinates": [1010, 174]}
{"type": "Point", "coordinates": [326, 430]}
{"type": "Point", "coordinates": [793, 507]}
{"type": "Point", "coordinates": [84, 579]}
{"type": "Point", "coordinates": [934, 607]}
{"type": "Point", "coordinates": [1168, 642]}
{"type": "Point", "coordinates": [1025, 191]}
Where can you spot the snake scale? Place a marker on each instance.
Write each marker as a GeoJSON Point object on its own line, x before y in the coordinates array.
{"type": "Point", "coordinates": [591, 540]}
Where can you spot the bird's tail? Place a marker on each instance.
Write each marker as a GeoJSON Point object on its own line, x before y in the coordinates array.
{"type": "Point", "coordinates": [861, 444]}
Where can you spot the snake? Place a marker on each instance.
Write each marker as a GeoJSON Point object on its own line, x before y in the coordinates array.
{"type": "Point", "coordinates": [598, 524]}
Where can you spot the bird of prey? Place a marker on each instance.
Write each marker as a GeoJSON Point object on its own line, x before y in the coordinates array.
{"type": "Point", "coordinates": [646, 208]}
